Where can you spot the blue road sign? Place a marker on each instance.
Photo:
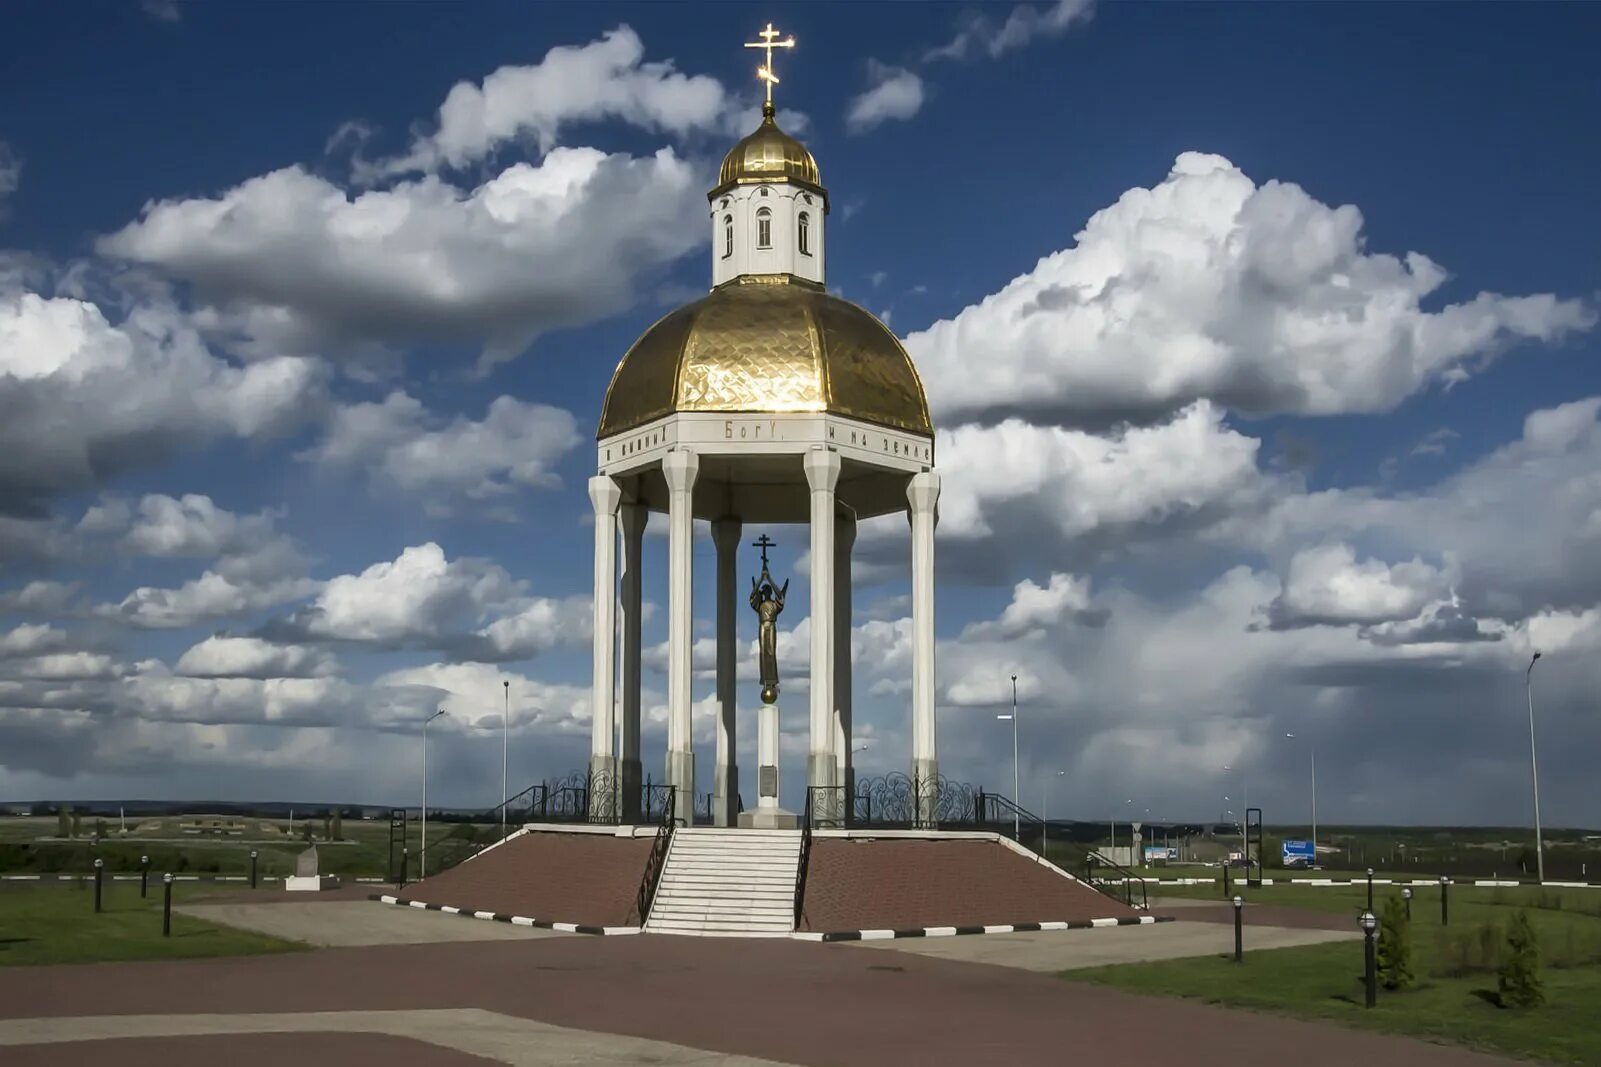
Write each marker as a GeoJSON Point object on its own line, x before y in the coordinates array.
{"type": "Point", "coordinates": [1299, 854]}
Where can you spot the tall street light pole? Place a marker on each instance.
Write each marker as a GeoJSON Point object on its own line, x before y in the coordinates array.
{"type": "Point", "coordinates": [426, 721]}
{"type": "Point", "coordinates": [505, 745]}
{"type": "Point", "coordinates": [1534, 770]}
{"type": "Point", "coordinates": [1017, 819]}
{"type": "Point", "coordinates": [1312, 748]}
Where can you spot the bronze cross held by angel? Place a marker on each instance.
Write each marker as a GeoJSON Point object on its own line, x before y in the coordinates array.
{"type": "Point", "coordinates": [767, 600]}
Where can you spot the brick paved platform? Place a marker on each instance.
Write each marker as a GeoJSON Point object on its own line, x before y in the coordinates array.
{"type": "Point", "coordinates": [895, 884]}
{"type": "Point", "coordinates": [590, 879]}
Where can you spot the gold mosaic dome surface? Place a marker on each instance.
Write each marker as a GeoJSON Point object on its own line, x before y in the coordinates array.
{"type": "Point", "coordinates": [768, 154]}
{"type": "Point", "coordinates": [767, 344]}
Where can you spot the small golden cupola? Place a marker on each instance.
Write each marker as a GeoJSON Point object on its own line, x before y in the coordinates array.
{"type": "Point", "coordinates": [769, 155]}
{"type": "Point", "coordinates": [769, 338]}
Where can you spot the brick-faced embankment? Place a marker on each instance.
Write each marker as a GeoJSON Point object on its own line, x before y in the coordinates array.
{"type": "Point", "coordinates": [591, 879]}
{"type": "Point", "coordinates": [897, 884]}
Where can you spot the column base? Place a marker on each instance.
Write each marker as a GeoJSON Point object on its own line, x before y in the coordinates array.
{"type": "Point", "coordinates": [603, 796]}
{"type": "Point", "coordinates": [821, 768]}
{"type": "Point", "coordinates": [925, 779]}
{"type": "Point", "coordinates": [681, 774]}
{"type": "Point", "coordinates": [725, 798]}
{"type": "Point", "coordinates": [631, 781]}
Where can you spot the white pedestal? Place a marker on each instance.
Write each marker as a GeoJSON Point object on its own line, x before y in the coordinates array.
{"type": "Point", "coordinates": [310, 883]}
{"type": "Point", "coordinates": [767, 815]}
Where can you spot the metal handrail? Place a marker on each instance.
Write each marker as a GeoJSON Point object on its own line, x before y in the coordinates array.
{"type": "Point", "coordinates": [805, 854]}
{"type": "Point", "coordinates": [657, 859]}
{"type": "Point", "coordinates": [1129, 879]}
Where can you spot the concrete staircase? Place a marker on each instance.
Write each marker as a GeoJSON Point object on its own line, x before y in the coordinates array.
{"type": "Point", "coordinates": [720, 882]}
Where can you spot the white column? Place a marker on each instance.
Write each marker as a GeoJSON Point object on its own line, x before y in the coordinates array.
{"type": "Point", "coordinates": [725, 802]}
{"type": "Point", "coordinates": [604, 494]}
{"type": "Point", "coordinates": [631, 771]}
{"type": "Point", "coordinates": [844, 540]}
{"type": "Point", "coordinates": [680, 468]}
{"type": "Point", "coordinates": [822, 474]}
{"type": "Point", "coordinates": [923, 495]}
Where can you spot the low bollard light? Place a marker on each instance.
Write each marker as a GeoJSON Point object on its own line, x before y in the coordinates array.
{"type": "Point", "coordinates": [252, 868]}
{"type": "Point", "coordinates": [1445, 901]}
{"type": "Point", "coordinates": [144, 876]}
{"type": "Point", "coordinates": [100, 870]}
{"type": "Point", "coordinates": [405, 862]}
{"type": "Point", "coordinates": [166, 907]}
{"type": "Point", "coordinates": [1406, 895]}
{"type": "Point", "coordinates": [1239, 929]}
{"type": "Point", "coordinates": [1369, 925]}
{"type": "Point", "coordinates": [1370, 889]}
{"type": "Point", "coordinates": [1225, 878]}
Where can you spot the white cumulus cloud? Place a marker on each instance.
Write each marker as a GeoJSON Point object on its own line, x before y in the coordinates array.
{"type": "Point", "coordinates": [896, 94]}
{"type": "Point", "coordinates": [1260, 298]}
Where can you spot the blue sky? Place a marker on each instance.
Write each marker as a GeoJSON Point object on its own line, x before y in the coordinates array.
{"type": "Point", "coordinates": [260, 320]}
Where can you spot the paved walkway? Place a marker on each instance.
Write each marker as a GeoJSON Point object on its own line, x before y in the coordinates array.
{"type": "Point", "coordinates": [774, 1001]}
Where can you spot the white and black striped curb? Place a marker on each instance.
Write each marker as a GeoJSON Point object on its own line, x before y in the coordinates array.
{"type": "Point", "coordinates": [1419, 883]}
{"type": "Point", "coordinates": [501, 917]}
{"type": "Point", "coordinates": [955, 931]}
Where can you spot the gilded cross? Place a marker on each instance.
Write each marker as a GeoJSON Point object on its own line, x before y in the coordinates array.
{"type": "Point", "coordinates": [769, 41]}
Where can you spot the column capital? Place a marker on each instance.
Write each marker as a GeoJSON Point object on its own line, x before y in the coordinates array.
{"type": "Point", "coordinates": [822, 469]}
{"type": "Point", "coordinates": [680, 467]}
{"type": "Point", "coordinates": [605, 494]}
{"type": "Point", "coordinates": [725, 533]}
{"type": "Point", "coordinates": [922, 492]}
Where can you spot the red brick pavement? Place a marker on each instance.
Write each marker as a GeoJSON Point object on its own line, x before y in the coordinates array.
{"type": "Point", "coordinates": [557, 877]}
{"type": "Point", "coordinates": [893, 884]}
{"type": "Point", "coordinates": [795, 1002]}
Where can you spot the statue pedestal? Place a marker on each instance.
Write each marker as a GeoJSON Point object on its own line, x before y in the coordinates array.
{"type": "Point", "coordinates": [767, 815]}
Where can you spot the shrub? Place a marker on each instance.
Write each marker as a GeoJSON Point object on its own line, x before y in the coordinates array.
{"type": "Point", "coordinates": [337, 830]}
{"type": "Point", "coordinates": [1395, 946]}
{"type": "Point", "coordinates": [1519, 978]}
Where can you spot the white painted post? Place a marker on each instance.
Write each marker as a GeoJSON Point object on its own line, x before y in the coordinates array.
{"type": "Point", "coordinates": [822, 474]}
{"type": "Point", "coordinates": [680, 468]}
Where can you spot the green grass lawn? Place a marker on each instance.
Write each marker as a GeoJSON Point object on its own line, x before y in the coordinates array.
{"type": "Point", "coordinates": [1454, 1001]}
{"type": "Point", "coordinates": [58, 924]}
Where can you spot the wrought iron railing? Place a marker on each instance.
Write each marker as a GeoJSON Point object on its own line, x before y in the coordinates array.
{"type": "Point", "coordinates": [901, 801]}
{"type": "Point", "coordinates": [658, 856]}
{"type": "Point", "coordinates": [806, 847]}
{"type": "Point", "coordinates": [1128, 880]}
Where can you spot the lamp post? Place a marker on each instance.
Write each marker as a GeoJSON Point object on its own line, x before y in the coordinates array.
{"type": "Point", "coordinates": [1017, 819]}
{"type": "Point", "coordinates": [1369, 923]}
{"type": "Point", "coordinates": [425, 723]}
{"type": "Point", "coordinates": [1312, 749]}
{"type": "Point", "coordinates": [505, 744]}
{"type": "Point", "coordinates": [1534, 770]}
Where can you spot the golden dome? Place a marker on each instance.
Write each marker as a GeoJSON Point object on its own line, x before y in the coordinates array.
{"type": "Point", "coordinates": [768, 155]}
{"type": "Point", "coordinates": [767, 343]}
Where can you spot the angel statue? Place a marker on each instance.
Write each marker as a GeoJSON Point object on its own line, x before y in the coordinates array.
{"type": "Point", "coordinates": [767, 600]}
